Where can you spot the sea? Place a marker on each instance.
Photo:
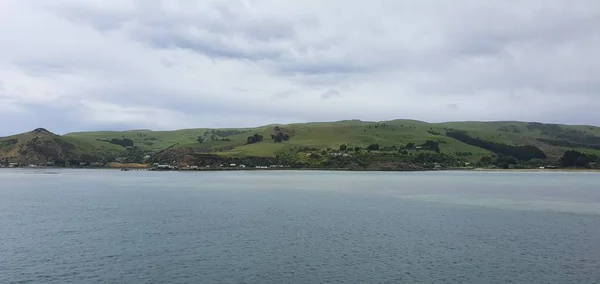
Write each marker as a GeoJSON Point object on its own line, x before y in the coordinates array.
{"type": "Point", "coordinates": [110, 226]}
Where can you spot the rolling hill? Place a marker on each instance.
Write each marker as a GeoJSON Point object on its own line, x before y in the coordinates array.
{"type": "Point", "coordinates": [41, 146]}
{"type": "Point", "coordinates": [468, 141]}
{"type": "Point", "coordinates": [553, 139]}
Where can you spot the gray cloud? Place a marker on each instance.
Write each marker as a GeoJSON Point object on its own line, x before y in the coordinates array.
{"type": "Point", "coordinates": [330, 94]}
{"type": "Point", "coordinates": [95, 15]}
{"type": "Point", "coordinates": [43, 67]}
{"type": "Point", "coordinates": [282, 95]}
{"type": "Point", "coordinates": [233, 62]}
{"type": "Point", "coordinates": [452, 106]}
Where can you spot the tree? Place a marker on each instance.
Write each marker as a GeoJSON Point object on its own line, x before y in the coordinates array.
{"type": "Point", "coordinates": [373, 147]}
{"type": "Point", "coordinates": [486, 160]}
{"type": "Point", "coordinates": [506, 159]}
{"type": "Point", "coordinates": [432, 145]}
{"type": "Point", "coordinates": [356, 149]}
{"type": "Point", "coordinates": [343, 147]}
{"type": "Point", "coordinates": [574, 158]}
{"type": "Point", "coordinates": [60, 162]}
{"type": "Point", "coordinates": [254, 139]}
{"type": "Point", "coordinates": [122, 142]}
{"type": "Point", "coordinates": [504, 165]}
{"type": "Point", "coordinates": [280, 137]}
{"type": "Point", "coordinates": [200, 139]}
{"type": "Point", "coordinates": [410, 145]}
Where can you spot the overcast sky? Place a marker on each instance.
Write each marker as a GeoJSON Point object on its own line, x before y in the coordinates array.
{"type": "Point", "coordinates": [71, 65]}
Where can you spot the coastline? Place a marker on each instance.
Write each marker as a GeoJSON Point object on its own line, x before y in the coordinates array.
{"type": "Point", "coordinates": [321, 169]}
{"type": "Point", "coordinates": [536, 170]}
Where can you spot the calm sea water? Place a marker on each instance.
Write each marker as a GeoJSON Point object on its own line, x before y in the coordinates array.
{"type": "Point", "coordinates": [87, 226]}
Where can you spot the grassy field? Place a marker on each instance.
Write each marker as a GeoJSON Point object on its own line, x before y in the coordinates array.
{"type": "Point", "coordinates": [353, 133]}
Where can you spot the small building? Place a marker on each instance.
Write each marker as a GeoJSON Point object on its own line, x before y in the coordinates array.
{"type": "Point", "coordinates": [164, 167]}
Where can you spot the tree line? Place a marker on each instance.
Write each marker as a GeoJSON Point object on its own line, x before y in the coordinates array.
{"type": "Point", "coordinates": [121, 142]}
{"type": "Point", "coordinates": [524, 153]}
{"type": "Point", "coordinates": [576, 159]}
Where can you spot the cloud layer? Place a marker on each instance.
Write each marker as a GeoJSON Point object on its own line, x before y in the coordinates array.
{"type": "Point", "coordinates": [76, 65]}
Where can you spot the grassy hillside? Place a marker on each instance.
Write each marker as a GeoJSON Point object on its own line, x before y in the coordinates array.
{"type": "Point", "coordinates": [552, 139]}
{"type": "Point", "coordinates": [42, 146]}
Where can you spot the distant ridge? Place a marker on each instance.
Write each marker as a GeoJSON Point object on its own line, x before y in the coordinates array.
{"type": "Point", "coordinates": [464, 140]}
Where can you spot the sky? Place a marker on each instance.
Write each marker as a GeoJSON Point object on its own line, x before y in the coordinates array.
{"type": "Point", "coordinates": [71, 65]}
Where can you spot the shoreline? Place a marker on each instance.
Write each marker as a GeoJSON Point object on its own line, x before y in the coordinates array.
{"type": "Point", "coordinates": [537, 170]}
{"type": "Point", "coordinates": [322, 169]}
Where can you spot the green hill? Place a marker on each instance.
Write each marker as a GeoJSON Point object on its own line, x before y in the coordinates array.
{"type": "Point", "coordinates": [408, 141]}
{"type": "Point", "coordinates": [552, 139]}
{"type": "Point", "coordinates": [41, 146]}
